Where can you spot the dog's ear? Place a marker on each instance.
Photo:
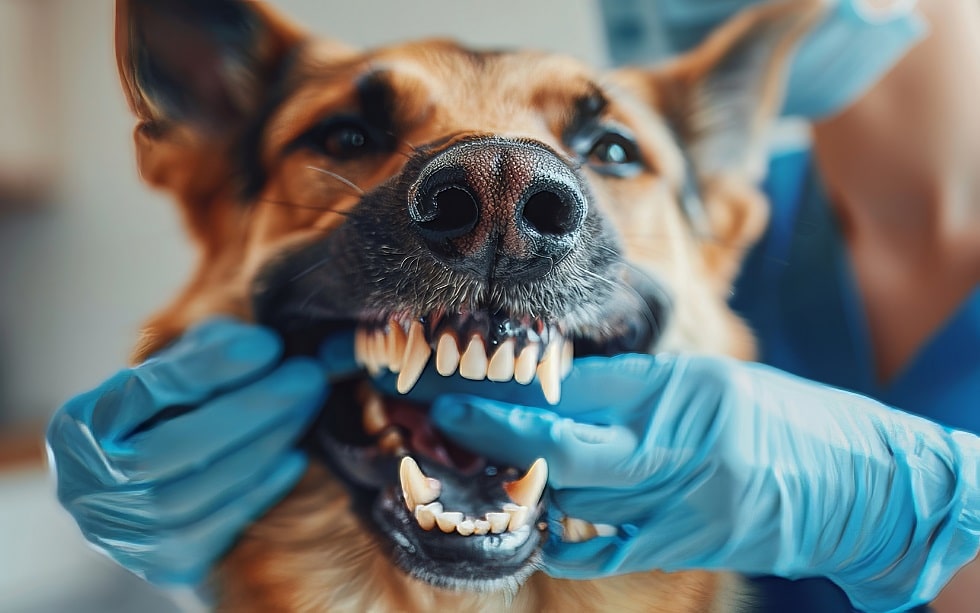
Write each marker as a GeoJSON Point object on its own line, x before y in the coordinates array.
{"type": "Point", "coordinates": [199, 62]}
{"type": "Point", "coordinates": [720, 99]}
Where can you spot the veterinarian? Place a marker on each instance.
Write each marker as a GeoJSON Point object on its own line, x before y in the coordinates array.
{"type": "Point", "coordinates": [867, 280]}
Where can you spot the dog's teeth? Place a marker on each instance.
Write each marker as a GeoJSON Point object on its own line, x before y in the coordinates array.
{"type": "Point", "coordinates": [425, 514]}
{"type": "Point", "coordinates": [606, 530]}
{"type": "Point", "coordinates": [447, 355]}
{"type": "Point", "coordinates": [416, 487]}
{"type": "Point", "coordinates": [527, 491]}
{"type": "Point", "coordinates": [381, 348]}
{"type": "Point", "coordinates": [502, 363]}
{"type": "Point", "coordinates": [518, 516]}
{"type": "Point", "coordinates": [466, 527]}
{"type": "Point", "coordinates": [473, 364]}
{"type": "Point", "coordinates": [481, 526]}
{"type": "Point", "coordinates": [395, 346]}
{"type": "Point", "coordinates": [549, 372]}
{"type": "Point", "coordinates": [392, 443]}
{"type": "Point", "coordinates": [375, 418]}
{"type": "Point", "coordinates": [417, 353]}
{"type": "Point", "coordinates": [567, 357]}
{"type": "Point", "coordinates": [448, 520]}
{"type": "Point", "coordinates": [360, 346]}
{"type": "Point", "coordinates": [527, 364]}
{"type": "Point", "coordinates": [498, 522]}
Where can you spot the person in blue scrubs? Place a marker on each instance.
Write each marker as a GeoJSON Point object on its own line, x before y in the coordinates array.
{"type": "Point", "coordinates": [697, 461]}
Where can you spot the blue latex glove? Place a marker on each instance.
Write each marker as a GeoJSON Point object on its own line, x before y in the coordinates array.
{"type": "Point", "coordinates": [165, 492]}
{"type": "Point", "coordinates": [709, 463]}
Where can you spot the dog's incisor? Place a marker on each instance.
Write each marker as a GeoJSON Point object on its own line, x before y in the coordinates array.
{"type": "Point", "coordinates": [475, 213]}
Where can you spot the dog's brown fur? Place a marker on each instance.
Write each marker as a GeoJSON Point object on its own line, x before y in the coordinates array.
{"type": "Point", "coordinates": [311, 552]}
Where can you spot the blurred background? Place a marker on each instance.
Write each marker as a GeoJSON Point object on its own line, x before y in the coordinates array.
{"type": "Point", "coordinates": [87, 252]}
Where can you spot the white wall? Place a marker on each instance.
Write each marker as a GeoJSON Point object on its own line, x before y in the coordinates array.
{"type": "Point", "coordinates": [76, 280]}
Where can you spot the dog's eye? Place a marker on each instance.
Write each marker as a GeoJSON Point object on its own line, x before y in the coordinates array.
{"type": "Point", "coordinates": [612, 148]}
{"type": "Point", "coordinates": [344, 138]}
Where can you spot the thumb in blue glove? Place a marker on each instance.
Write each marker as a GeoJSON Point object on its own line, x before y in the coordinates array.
{"type": "Point", "coordinates": [164, 464]}
{"type": "Point", "coordinates": [708, 463]}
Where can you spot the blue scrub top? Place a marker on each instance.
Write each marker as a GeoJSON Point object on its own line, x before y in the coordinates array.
{"type": "Point", "coordinates": [798, 293]}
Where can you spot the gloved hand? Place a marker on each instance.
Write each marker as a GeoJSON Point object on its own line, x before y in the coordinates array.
{"type": "Point", "coordinates": [705, 462]}
{"type": "Point", "coordinates": [164, 464]}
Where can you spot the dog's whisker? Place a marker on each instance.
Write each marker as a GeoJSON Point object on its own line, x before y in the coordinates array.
{"type": "Point", "coordinates": [339, 178]}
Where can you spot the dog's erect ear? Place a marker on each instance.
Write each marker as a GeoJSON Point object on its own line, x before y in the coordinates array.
{"type": "Point", "coordinates": [722, 97]}
{"type": "Point", "coordinates": [199, 62]}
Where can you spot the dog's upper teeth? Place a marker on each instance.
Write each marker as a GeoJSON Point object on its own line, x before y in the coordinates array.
{"type": "Point", "coordinates": [473, 364]}
{"type": "Point", "coordinates": [447, 355]}
{"type": "Point", "coordinates": [417, 352]}
{"type": "Point", "coordinates": [396, 343]}
{"type": "Point", "coordinates": [416, 487]}
{"type": "Point", "coordinates": [549, 372]}
{"type": "Point", "coordinates": [527, 363]}
{"type": "Point", "coordinates": [527, 490]}
{"type": "Point", "coordinates": [408, 354]}
{"type": "Point", "coordinates": [501, 366]}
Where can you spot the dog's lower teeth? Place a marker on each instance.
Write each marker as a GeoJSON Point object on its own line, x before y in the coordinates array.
{"type": "Point", "coordinates": [417, 489]}
{"type": "Point", "coordinates": [498, 522]}
{"type": "Point", "coordinates": [518, 516]}
{"type": "Point", "coordinates": [473, 364]}
{"type": "Point", "coordinates": [466, 527]}
{"type": "Point", "coordinates": [481, 526]}
{"type": "Point", "coordinates": [448, 520]}
{"type": "Point", "coordinates": [425, 514]}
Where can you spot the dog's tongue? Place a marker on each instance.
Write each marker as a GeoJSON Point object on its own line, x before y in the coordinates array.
{"type": "Point", "coordinates": [425, 440]}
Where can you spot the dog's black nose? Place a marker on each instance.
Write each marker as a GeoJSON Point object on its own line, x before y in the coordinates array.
{"type": "Point", "coordinates": [502, 208]}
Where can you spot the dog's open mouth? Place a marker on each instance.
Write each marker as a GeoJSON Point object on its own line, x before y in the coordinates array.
{"type": "Point", "coordinates": [451, 518]}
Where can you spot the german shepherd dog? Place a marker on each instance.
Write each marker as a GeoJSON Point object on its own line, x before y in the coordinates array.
{"type": "Point", "coordinates": [483, 214]}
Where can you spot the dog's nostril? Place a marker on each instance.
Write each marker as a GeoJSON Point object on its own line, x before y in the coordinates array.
{"type": "Point", "coordinates": [448, 213]}
{"type": "Point", "coordinates": [548, 213]}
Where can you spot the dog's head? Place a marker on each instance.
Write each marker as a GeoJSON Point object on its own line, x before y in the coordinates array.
{"type": "Point", "coordinates": [479, 213]}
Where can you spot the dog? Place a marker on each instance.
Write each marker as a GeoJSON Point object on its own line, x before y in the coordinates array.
{"type": "Point", "coordinates": [485, 214]}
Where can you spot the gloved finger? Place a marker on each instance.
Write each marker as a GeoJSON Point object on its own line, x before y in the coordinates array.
{"type": "Point", "coordinates": [290, 395]}
{"type": "Point", "coordinates": [578, 454]}
{"type": "Point", "coordinates": [598, 390]}
{"type": "Point", "coordinates": [190, 497]}
{"type": "Point", "coordinates": [592, 559]}
{"type": "Point", "coordinates": [215, 356]}
{"type": "Point", "coordinates": [185, 556]}
{"type": "Point", "coordinates": [336, 354]}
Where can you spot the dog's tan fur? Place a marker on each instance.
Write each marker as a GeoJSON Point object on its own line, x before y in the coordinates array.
{"type": "Point", "coordinates": [310, 552]}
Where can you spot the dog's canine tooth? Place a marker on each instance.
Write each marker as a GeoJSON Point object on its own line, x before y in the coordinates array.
{"type": "Point", "coordinates": [395, 345]}
{"type": "Point", "coordinates": [473, 364]}
{"type": "Point", "coordinates": [527, 490]}
{"type": "Point", "coordinates": [448, 520]}
{"type": "Point", "coordinates": [519, 515]}
{"type": "Point", "coordinates": [549, 372]}
{"type": "Point", "coordinates": [417, 353]}
{"type": "Point", "coordinates": [466, 527]}
{"type": "Point", "coordinates": [502, 363]}
{"type": "Point", "coordinates": [374, 419]}
{"type": "Point", "coordinates": [481, 526]}
{"type": "Point", "coordinates": [447, 355]}
{"type": "Point", "coordinates": [498, 521]}
{"type": "Point", "coordinates": [567, 357]}
{"type": "Point", "coordinates": [527, 364]}
{"type": "Point", "coordinates": [416, 487]}
{"type": "Point", "coordinates": [425, 514]}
